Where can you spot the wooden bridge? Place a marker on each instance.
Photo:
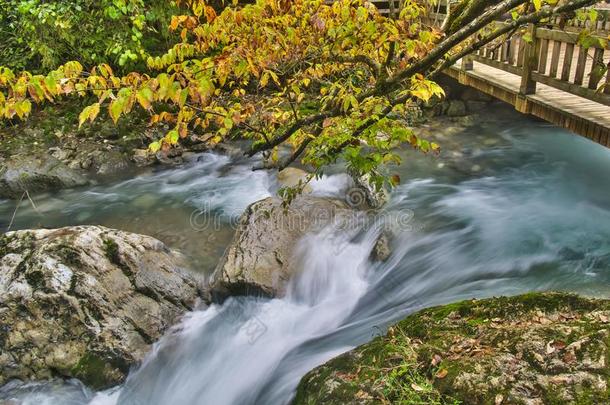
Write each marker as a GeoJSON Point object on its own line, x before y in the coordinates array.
{"type": "Point", "coordinates": [549, 76]}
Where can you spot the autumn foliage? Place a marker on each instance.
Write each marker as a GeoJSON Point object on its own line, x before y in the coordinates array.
{"type": "Point", "coordinates": [321, 78]}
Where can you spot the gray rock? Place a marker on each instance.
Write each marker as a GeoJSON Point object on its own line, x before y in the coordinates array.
{"type": "Point", "coordinates": [86, 302]}
{"type": "Point", "coordinates": [110, 162]}
{"type": "Point", "coordinates": [35, 174]}
{"type": "Point", "coordinates": [457, 108]}
{"type": "Point", "coordinates": [291, 176]}
{"type": "Point", "coordinates": [476, 106]}
{"type": "Point", "coordinates": [259, 260]}
{"type": "Point", "coordinates": [365, 195]}
{"type": "Point", "coordinates": [61, 154]}
{"type": "Point", "coordinates": [142, 157]}
{"type": "Point", "coordinates": [381, 250]}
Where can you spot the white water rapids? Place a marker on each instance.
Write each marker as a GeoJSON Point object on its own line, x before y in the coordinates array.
{"type": "Point", "coordinates": [521, 207]}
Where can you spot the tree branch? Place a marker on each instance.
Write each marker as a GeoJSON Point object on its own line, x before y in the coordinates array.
{"type": "Point", "coordinates": [527, 19]}
{"type": "Point", "coordinates": [373, 65]}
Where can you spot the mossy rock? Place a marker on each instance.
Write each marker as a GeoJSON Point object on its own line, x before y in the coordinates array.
{"type": "Point", "coordinates": [539, 348]}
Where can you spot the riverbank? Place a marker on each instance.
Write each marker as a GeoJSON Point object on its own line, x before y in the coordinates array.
{"type": "Point", "coordinates": [538, 348]}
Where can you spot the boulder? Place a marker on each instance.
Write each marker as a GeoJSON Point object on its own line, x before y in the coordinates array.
{"type": "Point", "coordinates": [382, 249]}
{"type": "Point", "coordinates": [292, 176]}
{"type": "Point", "coordinates": [365, 195]}
{"type": "Point", "coordinates": [259, 260]}
{"type": "Point", "coordinates": [540, 348]}
{"type": "Point", "coordinates": [457, 108]}
{"type": "Point", "coordinates": [34, 174]}
{"type": "Point", "coordinates": [86, 302]}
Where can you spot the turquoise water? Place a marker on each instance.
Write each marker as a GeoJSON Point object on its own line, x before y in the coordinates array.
{"type": "Point", "coordinates": [511, 205]}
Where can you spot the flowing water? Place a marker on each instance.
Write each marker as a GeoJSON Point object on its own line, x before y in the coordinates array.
{"type": "Point", "coordinates": [510, 206]}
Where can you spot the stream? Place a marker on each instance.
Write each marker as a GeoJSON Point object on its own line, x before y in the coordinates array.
{"type": "Point", "coordinates": [511, 205]}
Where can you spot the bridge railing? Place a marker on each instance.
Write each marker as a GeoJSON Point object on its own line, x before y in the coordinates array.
{"type": "Point", "coordinates": [552, 57]}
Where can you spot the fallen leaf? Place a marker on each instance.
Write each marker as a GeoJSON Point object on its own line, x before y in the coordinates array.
{"type": "Point", "coordinates": [569, 357]}
{"type": "Point", "coordinates": [436, 359]}
{"type": "Point", "coordinates": [442, 373]}
{"type": "Point", "coordinates": [363, 395]}
{"type": "Point", "coordinates": [416, 387]}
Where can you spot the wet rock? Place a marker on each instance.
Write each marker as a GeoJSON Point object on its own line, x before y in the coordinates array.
{"type": "Point", "coordinates": [36, 174]}
{"type": "Point", "coordinates": [109, 162]}
{"type": "Point", "coordinates": [292, 177]}
{"type": "Point", "coordinates": [540, 348]}
{"type": "Point", "coordinates": [259, 260]}
{"type": "Point", "coordinates": [142, 157]}
{"type": "Point", "coordinates": [381, 250]}
{"type": "Point", "coordinates": [366, 195]}
{"type": "Point", "coordinates": [61, 154]}
{"type": "Point", "coordinates": [476, 106]}
{"type": "Point", "coordinates": [456, 108]}
{"type": "Point", "coordinates": [86, 302]}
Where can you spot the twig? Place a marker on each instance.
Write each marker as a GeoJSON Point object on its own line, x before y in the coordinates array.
{"type": "Point", "coordinates": [15, 212]}
{"type": "Point", "coordinates": [32, 202]}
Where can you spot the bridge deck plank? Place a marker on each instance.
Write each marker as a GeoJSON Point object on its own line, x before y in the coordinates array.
{"type": "Point", "coordinates": [554, 99]}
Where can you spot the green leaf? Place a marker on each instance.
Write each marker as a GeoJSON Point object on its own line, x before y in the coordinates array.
{"type": "Point", "coordinates": [145, 97]}
{"type": "Point", "coordinates": [228, 123]}
{"type": "Point", "coordinates": [537, 4]}
{"type": "Point", "coordinates": [154, 147]}
{"type": "Point", "coordinates": [173, 136]}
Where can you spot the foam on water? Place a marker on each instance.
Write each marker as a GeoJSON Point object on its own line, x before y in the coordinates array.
{"type": "Point", "coordinates": [534, 215]}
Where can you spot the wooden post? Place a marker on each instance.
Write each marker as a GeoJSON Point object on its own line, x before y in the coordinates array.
{"type": "Point", "coordinates": [597, 68]}
{"type": "Point", "coordinates": [467, 63]}
{"type": "Point", "coordinates": [530, 63]}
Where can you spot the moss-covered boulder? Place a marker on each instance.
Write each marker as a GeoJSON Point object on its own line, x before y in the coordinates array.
{"type": "Point", "coordinates": [539, 348]}
{"type": "Point", "coordinates": [86, 302]}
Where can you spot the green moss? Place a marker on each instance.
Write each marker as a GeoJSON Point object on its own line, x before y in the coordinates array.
{"type": "Point", "coordinates": [112, 251]}
{"type": "Point", "coordinates": [69, 255]}
{"type": "Point", "coordinates": [35, 279]}
{"type": "Point", "coordinates": [470, 343]}
{"type": "Point", "coordinates": [5, 241]}
{"type": "Point", "coordinates": [92, 370]}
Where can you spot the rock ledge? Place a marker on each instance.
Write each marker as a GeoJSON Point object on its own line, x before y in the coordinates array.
{"type": "Point", "coordinates": [86, 302]}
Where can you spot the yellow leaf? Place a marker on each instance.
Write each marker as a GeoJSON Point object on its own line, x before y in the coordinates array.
{"type": "Point", "coordinates": [264, 79]}
{"type": "Point", "coordinates": [115, 109]}
{"type": "Point", "coordinates": [88, 113]}
{"type": "Point", "coordinates": [442, 373]}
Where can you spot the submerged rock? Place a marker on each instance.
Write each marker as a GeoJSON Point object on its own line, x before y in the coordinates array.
{"type": "Point", "coordinates": [34, 174]}
{"type": "Point", "coordinates": [259, 260]}
{"type": "Point", "coordinates": [86, 302]}
{"type": "Point", "coordinates": [456, 108]}
{"type": "Point", "coordinates": [541, 348]}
